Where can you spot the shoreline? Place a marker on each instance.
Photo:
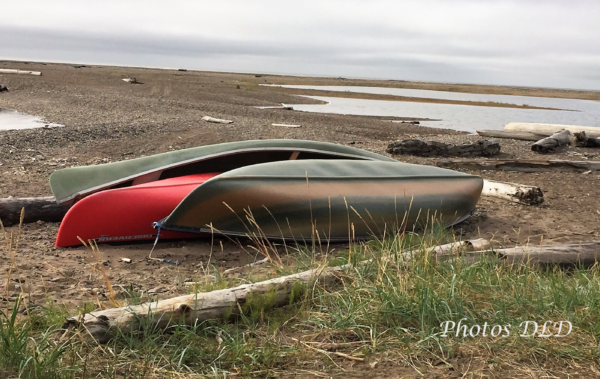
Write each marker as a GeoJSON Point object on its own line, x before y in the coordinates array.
{"type": "Point", "coordinates": [371, 96]}
{"type": "Point", "coordinates": [107, 119]}
{"type": "Point", "coordinates": [504, 89]}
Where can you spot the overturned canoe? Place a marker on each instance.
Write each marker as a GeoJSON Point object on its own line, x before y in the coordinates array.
{"type": "Point", "coordinates": [325, 199]}
{"type": "Point", "coordinates": [126, 214]}
{"type": "Point", "coordinates": [72, 184]}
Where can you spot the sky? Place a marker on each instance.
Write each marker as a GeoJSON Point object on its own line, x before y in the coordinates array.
{"type": "Point", "coordinates": [547, 43]}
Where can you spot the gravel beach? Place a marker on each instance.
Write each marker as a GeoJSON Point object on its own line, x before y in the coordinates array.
{"type": "Point", "coordinates": [107, 119]}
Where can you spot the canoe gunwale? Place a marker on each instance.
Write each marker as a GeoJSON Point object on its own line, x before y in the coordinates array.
{"type": "Point", "coordinates": [107, 185]}
{"type": "Point", "coordinates": [341, 178]}
{"type": "Point", "coordinates": [207, 230]}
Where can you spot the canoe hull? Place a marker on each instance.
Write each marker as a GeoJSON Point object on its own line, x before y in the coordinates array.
{"type": "Point", "coordinates": [330, 208]}
{"type": "Point", "coordinates": [126, 214]}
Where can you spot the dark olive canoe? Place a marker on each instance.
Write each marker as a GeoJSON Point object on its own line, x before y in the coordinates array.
{"type": "Point", "coordinates": [70, 184]}
{"type": "Point", "coordinates": [325, 199]}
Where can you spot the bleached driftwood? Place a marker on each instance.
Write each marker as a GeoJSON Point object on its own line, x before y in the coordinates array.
{"type": "Point", "coordinates": [524, 136]}
{"type": "Point", "coordinates": [584, 253]}
{"type": "Point", "coordinates": [520, 165]}
{"type": "Point", "coordinates": [454, 248]}
{"type": "Point", "coordinates": [195, 308]}
{"type": "Point", "coordinates": [132, 80]}
{"type": "Point", "coordinates": [551, 143]}
{"type": "Point", "coordinates": [36, 209]}
{"type": "Point", "coordinates": [518, 193]}
{"type": "Point", "coordinates": [550, 128]}
{"type": "Point", "coordinates": [288, 125]}
{"type": "Point", "coordinates": [19, 72]}
{"type": "Point", "coordinates": [282, 106]}
{"type": "Point", "coordinates": [216, 120]}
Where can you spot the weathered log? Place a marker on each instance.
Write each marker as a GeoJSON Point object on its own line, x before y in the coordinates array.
{"type": "Point", "coordinates": [20, 72]}
{"type": "Point", "coordinates": [216, 120]}
{"type": "Point", "coordinates": [421, 148]}
{"type": "Point", "coordinates": [520, 165]}
{"type": "Point", "coordinates": [406, 122]}
{"type": "Point", "coordinates": [288, 125]}
{"type": "Point", "coordinates": [195, 308]}
{"type": "Point", "coordinates": [132, 80]}
{"type": "Point", "coordinates": [36, 209]}
{"type": "Point", "coordinates": [584, 253]}
{"type": "Point", "coordinates": [523, 136]}
{"type": "Point", "coordinates": [550, 128]}
{"type": "Point", "coordinates": [583, 140]}
{"type": "Point", "coordinates": [551, 143]}
{"type": "Point", "coordinates": [518, 193]}
{"type": "Point", "coordinates": [452, 249]}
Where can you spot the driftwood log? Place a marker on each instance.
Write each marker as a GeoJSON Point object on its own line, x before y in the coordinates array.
{"type": "Point", "coordinates": [20, 72]}
{"type": "Point", "coordinates": [216, 120]}
{"type": "Point", "coordinates": [518, 193]}
{"type": "Point", "coordinates": [452, 249]}
{"type": "Point", "coordinates": [421, 148]}
{"type": "Point", "coordinates": [569, 254]}
{"type": "Point", "coordinates": [288, 125]}
{"type": "Point", "coordinates": [550, 128]}
{"type": "Point", "coordinates": [520, 165]}
{"type": "Point", "coordinates": [585, 253]}
{"type": "Point", "coordinates": [583, 140]}
{"type": "Point", "coordinates": [36, 209]}
{"type": "Point", "coordinates": [551, 143]}
{"type": "Point", "coordinates": [524, 136]}
{"type": "Point", "coordinates": [191, 309]}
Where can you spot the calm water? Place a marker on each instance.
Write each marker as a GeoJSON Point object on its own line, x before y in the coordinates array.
{"type": "Point", "coordinates": [11, 120]}
{"type": "Point", "coordinates": [458, 117]}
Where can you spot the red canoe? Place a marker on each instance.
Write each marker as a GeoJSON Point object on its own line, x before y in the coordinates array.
{"type": "Point", "coordinates": [127, 214]}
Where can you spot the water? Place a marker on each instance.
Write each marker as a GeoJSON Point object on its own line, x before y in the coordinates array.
{"type": "Point", "coordinates": [458, 117]}
{"type": "Point", "coordinates": [13, 120]}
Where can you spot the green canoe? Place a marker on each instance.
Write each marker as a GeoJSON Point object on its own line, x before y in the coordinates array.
{"type": "Point", "coordinates": [325, 199]}
{"type": "Point", "coordinates": [71, 184]}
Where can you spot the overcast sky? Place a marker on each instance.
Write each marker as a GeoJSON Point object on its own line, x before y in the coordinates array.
{"type": "Point", "coordinates": [550, 43]}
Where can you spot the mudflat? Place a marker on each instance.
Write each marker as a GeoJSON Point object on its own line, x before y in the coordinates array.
{"type": "Point", "coordinates": [107, 119]}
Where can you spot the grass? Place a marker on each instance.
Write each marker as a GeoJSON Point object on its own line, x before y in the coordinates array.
{"type": "Point", "coordinates": [386, 310]}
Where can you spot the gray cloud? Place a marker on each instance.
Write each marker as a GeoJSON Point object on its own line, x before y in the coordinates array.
{"type": "Point", "coordinates": [525, 42]}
